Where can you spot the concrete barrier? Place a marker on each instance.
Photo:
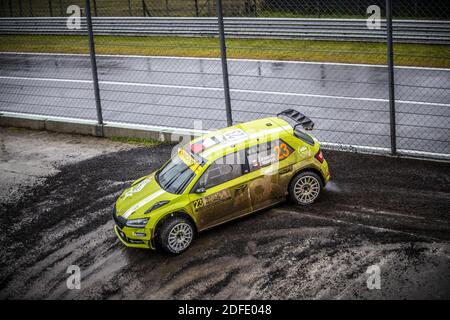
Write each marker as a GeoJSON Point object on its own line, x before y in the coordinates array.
{"type": "Point", "coordinates": [91, 128]}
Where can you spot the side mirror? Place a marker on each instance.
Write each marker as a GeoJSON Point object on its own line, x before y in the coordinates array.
{"type": "Point", "coordinates": [200, 190]}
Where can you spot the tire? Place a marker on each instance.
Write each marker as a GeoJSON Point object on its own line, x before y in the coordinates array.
{"type": "Point", "coordinates": [175, 235]}
{"type": "Point", "coordinates": [305, 188]}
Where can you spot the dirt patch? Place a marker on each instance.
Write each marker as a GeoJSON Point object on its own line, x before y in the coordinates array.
{"type": "Point", "coordinates": [388, 212]}
{"type": "Point", "coordinates": [27, 156]}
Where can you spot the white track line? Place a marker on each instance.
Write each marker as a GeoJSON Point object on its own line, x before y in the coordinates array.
{"type": "Point", "coordinates": [136, 84]}
{"type": "Point", "coordinates": [218, 59]}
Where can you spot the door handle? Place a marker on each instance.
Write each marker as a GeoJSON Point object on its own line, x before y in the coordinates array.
{"type": "Point", "coordinates": [285, 170]}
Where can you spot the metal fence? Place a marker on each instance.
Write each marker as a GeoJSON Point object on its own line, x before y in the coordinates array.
{"type": "Point", "coordinates": [378, 94]}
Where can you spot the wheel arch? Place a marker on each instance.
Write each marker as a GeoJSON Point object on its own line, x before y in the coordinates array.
{"type": "Point", "coordinates": [181, 214]}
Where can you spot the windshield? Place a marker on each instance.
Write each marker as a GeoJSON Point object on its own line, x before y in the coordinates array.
{"type": "Point", "coordinates": [175, 176]}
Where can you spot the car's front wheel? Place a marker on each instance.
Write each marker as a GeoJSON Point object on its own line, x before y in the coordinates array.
{"type": "Point", "coordinates": [175, 235]}
{"type": "Point", "coordinates": [305, 188]}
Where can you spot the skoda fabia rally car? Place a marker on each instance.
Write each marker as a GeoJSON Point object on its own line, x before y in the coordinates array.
{"type": "Point", "coordinates": [222, 176]}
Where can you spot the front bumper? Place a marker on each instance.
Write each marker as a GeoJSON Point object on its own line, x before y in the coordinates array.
{"type": "Point", "coordinates": [133, 243]}
{"type": "Point", "coordinates": [125, 234]}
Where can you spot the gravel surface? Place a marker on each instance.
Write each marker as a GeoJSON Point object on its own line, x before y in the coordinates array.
{"type": "Point", "coordinates": [393, 213]}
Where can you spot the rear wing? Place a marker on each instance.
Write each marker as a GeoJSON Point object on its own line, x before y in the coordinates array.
{"type": "Point", "coordinates": [298, 118]}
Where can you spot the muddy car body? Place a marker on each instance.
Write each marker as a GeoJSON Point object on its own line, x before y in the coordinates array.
{"type": "Point", "coordinates": [222, 176]}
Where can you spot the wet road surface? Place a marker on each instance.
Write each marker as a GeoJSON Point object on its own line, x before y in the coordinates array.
{"type": "Point", "coordinates": [393, 213]}
{"type": "Point", "coordinates": [349, 103]}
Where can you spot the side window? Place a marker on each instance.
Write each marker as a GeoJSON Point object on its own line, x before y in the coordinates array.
{"type": "Point", "coordinates": [267, 153]}
{"type": "Point", "coordinates": [222, 170]}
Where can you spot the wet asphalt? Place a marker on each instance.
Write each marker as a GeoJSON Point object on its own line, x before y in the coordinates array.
{"type": "Point", "coordinates": [393, 213]}
{"type": "Point", "coordinates": [348, 103]}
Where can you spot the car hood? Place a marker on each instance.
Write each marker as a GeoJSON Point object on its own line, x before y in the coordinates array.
{"type": "Point", "coordinates": [140, 197]}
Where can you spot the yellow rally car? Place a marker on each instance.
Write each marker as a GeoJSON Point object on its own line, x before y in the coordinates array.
{"type": "Point", "coordinates": [222, 176]}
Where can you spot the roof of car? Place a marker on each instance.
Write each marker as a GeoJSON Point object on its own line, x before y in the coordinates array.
{"type": "Point", "coordinates": [224, 141]}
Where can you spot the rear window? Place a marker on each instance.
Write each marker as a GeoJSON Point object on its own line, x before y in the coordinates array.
{"type": "Point", "coordinates": [304, 137]}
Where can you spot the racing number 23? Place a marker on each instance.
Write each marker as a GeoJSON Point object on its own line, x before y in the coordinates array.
{"type": "Point", "coordinates": [282, 151]}
{"type": "Point", "coordinates": [198, 203]}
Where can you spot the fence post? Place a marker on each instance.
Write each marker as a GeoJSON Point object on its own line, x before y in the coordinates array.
{"type": "Point", "coordinates": [20, 8]}
{"type": "Point", "coordinates": [95, 8]}
{"type": "Point", "coordinates": [196, 8]}
{"type": "Point", "coordinates": [61, 10]}
{"type": "Point", "coordinates": [99, 128]}
{"type": "Point", "coordinates": [390, 62]}
{"type": "Point", "coordinates": [4, 8]}
{"type": "Point", "coordinates": [145, 11]}
{"type": "Point", "coordinates": [30, 6]}
{"type": "Point", "coordinates": [50, 9]}
{"type": "Point", "coordinates": [223, 53]}
{"type": "Point", "coordinates": [129, 8]}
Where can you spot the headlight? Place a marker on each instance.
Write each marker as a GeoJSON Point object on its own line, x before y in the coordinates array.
{"type": "Point", "coordinates": [157, 206]}
{"type": "Point", "coordinates": [137, 223]}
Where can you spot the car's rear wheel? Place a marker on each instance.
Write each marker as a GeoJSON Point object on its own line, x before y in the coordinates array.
{"type": "Point", "coordinates": [305, 188]}
{"type": "Point", "coordinates": [175, 235]}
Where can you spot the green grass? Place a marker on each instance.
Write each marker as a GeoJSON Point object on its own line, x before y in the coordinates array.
{"type": "Point", "coordinates": [297, 50]}
{"type": "Point", "coordinates": [138, 141]}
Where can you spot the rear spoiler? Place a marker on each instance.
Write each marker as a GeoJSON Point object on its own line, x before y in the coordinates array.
{"type": "Point", "coordinates": [298, 118]}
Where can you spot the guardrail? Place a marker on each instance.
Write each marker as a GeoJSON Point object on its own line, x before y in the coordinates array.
{"type": "Point", "coordinates": [407, 31]}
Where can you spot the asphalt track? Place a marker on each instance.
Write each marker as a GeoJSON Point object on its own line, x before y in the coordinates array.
{"type": "Point", "coordinates": [347, 102]}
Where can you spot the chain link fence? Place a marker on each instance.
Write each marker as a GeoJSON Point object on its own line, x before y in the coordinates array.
{"type": "Point", "coordinates": [159, 64]}
{"type": "Point", "coordinates": [422, 95]}
{"type": "Point", "coordinates": [160, 84]}
{"type": "Point", "coordinates": [402, 9]}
